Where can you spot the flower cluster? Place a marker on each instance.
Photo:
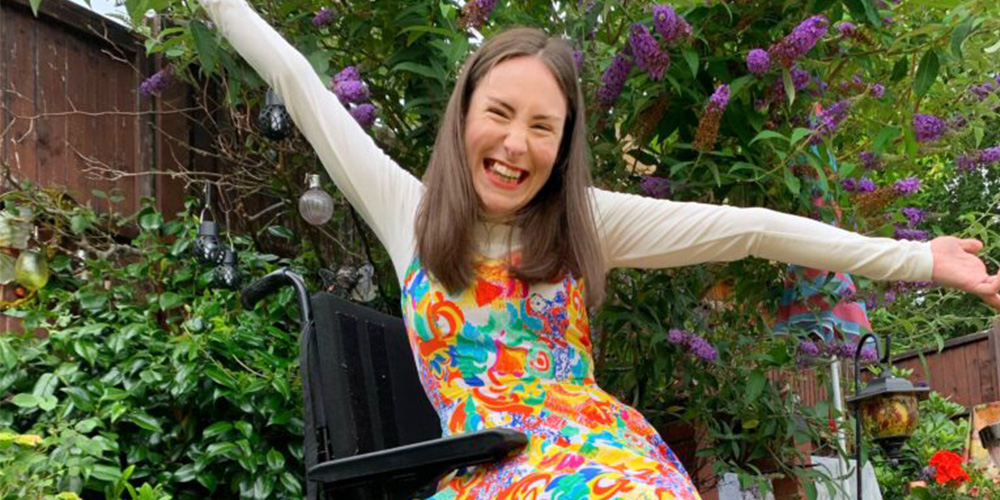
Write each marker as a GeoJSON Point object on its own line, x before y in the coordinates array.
{"type": "Point", "coordinates": [693, 343]}
{"type": "Point", "coordinates": [323, 18]}
{"type": "Point", "coordinates": [982, 91]}
{"type": "Point", "coordinates": [913, 215]}
{"type": "Point", "coordinates": [869, 161]}
{"type": "Point", "coordinates": [158, 82]}
{"type": "Point", "coordinates": [351, 91]}
{"type": "Point", "coordinates": [708, 126]}
{"type": "Point", "coordinates": [648, 55]}
{"type": "Point", "coordinates": [972, 161]}
{"type": "Point", "coordinates": [877, 90]}
{"type": "Point", "coordinates": [613, 80]}
{"type": "Point", "coordinates": [758, 62]}
{"type": "Point", "coordinates": [800, 41]}
{"type": "Point", "coordinates": [862, 185]}
{"type": "Point", "coordinates": [475, 13]}
{"type": "Point", "coordinates": [578, 60]}
{"type": "Point", "coordinates": [902, 232]}
{"type": "Point", "coordinates": [808, 352]}
{"type": "Point", "coordinates": [948, 468]}
{"type": "Point", "coordinates": [656, 187]}
{"type": "Point", "coordinates": [828, 120]}
{"type": "Point", "coordinates": [672, 27]}
{"type": "Point", "coordinates": [907, 186]}
{"type": "Point", "coordinates": [928, 128]}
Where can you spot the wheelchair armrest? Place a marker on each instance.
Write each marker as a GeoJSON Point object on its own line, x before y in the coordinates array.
{"type": "Point", "coordinates": [429, 459]}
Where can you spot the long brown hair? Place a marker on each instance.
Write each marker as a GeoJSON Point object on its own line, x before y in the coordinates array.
{"type": "Point", "coordinates": [557, 230]}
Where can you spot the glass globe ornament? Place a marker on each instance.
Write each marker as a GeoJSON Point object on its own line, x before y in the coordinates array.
{"type": "Point", "coordinates": [316, 205]}
{"type": "Point", "coordinates": [273, 120]}
{"type": "Point", "coordinates": [227, 274]}
{"type": "Point", "coordinates": [207, 249]}
{"type": "Point", "coordinates": [31, 270]}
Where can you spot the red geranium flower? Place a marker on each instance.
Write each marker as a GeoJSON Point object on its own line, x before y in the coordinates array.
{"type": "Point", "coordinates": [948, 466]}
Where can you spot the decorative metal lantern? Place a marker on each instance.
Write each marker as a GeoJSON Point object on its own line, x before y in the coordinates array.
{"type": "Point", "coordinates": [227, 274]}
{"type": "Point", "coordinates": [31, 269]}
{"type": "Point", "coordinates": [887, 407]}
{"type": "Point", "coordinates": [990, 438]}
{"type": "Point", "coordinates": [274, 121]}
{"type": "Point", "coordinates": [207, 249]}
{"type": "Point", "coordinates": [315, 205]}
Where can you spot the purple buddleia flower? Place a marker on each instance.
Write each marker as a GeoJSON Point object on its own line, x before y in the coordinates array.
{"type": "Point", "coordinates": [828, 120]}
{"type": "Point", "coordinates": [351, 91]}
{"type": "Point", "coordinates": [158, 82]}
{"type": "Point", "coordinates": [929, 128]}
{"type": "Point", "coordinates": [914, 215]}
{"type": "Point", "coordinates": [982, 91]}
{"type": "Point", "coordinates": [476, 12]}
{"type": "Point", "coordinates": [877, 90]}
{"type": "Point", "coordinates": [887, 20]}
{"type": "Point", "coordinates": [702, 348]}
{"type": "Point", "coordinates": [967, 163]}
{"type": "Point", "coordinates": [323, 18]}
{"type": "Point", "coordinates": [720, 98]}
{"type": "Point", "coordinates": [800, 41]}
{"type": "Point", "coordinates": [856, 80]}
{"type": "Point", "coordinates": [868, 355]}
{"type": "Point", "coordinates": [578, 60]}
{"type": "Point", "coordinates": [648, 56]}
{"type": "Point", "coordinates": [928, 473]}
{"type": "Point", "coordinates": [800, 79]}
{"type": "Point", "coordinates": [349, 73]}
{"type": "Point", "coordinates": [989, 156]}
{"type": "Point", "coordinates": [809, 349]}
{"type": "Point", "coordinates": [656, 187]}
{"type": "Point", "coordinates": [849, 184]}
{"type": "Point", "coordinates": [613, 80]}
{"type": "Point", "coordinates": [871, 302]}
{"type": "Point", "coordinates": [708, 125]}
{"type": "Point", "coordinates": [669, 25]}
{"type": "Point", "coordinates": [678, 337]}
{"type": "Point", "coordinates": [364, 114]}
{"type": "Point", "coordinates": [889, 297]}
{"type": "Point", "coordinates": [905, 233]}
{"type": "Point", "coordinates": [907, 186]}
{"type": "Point", "coordinates": [758, 62]}
{"type": "Point", "coordinates": [869, 161]}
{"type": "Point", "coordinates": [846, 28]}
{"type": "Point", "coordinates": [866, 185]}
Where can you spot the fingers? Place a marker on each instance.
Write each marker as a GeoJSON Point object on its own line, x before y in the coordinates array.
{"type": "Point", "coordinates": [971, 245]}
{"type": "Point", "coordinates": [992, 301]}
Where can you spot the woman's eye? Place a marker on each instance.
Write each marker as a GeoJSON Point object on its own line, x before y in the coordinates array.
{"type": "Point", "coordinates": [544, 127]}
{"type": "Point", "coordinates": [497, 112]}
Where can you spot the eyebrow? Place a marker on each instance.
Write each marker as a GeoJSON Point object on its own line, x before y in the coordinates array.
{"type": "Point", "coordinates": [510, 109]}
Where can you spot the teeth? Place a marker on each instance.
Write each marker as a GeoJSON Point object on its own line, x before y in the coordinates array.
{"type": "Point", "coordinates": [504, 172]}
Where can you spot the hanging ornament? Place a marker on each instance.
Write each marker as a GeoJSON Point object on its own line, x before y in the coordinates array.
{"type": "Point", "coordinates": [227, 274]}
{"type": "Point", "coordinates": [15, 227]}
{"type": "Point", "coordinates": [31, 270]}
{"type": "Point", "coordinates": [315, 205]}
{"type": "Point", "coordinates": [273, 120]}
{"type": "Point", "coordinates": [207, 249]}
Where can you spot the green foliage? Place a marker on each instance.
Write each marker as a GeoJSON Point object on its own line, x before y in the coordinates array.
{"type": "Point", "coordinates": [134, 372]}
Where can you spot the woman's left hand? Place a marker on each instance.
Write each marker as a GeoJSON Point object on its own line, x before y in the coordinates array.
{"type": "Point", "coordinates": [956, 265]}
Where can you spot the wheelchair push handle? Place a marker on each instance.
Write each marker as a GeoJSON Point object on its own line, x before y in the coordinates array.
{"type": "Point", "coordinates": [254, 292]}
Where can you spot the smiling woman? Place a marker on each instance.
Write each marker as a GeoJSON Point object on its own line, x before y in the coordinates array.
{"type": "Point", "coordinates": [502, 247]}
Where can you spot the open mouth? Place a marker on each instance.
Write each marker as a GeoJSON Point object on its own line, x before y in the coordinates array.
{"type": "Point", "coordinates": [504, 174]}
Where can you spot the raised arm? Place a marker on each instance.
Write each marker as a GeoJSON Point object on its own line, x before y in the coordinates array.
{"type": "Point", "coordinates": [384, 194]}
{"type": "Point", "coordinates": [648, 233]}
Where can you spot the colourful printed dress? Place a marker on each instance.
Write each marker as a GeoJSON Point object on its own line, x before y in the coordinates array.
{"type": "Point", "coordinates": [505, 354]}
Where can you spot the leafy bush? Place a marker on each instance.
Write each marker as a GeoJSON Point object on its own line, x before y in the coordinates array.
{"type": "Point", "coordinates": [132, 369]}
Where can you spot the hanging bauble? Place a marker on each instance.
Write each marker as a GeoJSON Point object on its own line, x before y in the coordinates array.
{"type": "Point", "coordinates": [316, 205]}
{"type": "Point", "coordinates": [15, 227]}
{"type": "Point", "coordinates": [31, 270]}
{"type": "Point", "coordinates": [7, 266]}
{"type": "Point", "coordinates": [227, 274]}
{"type": "Point", "coordinates": [273, 120]}
{"type": "Point", "coordinates": [206, 248]}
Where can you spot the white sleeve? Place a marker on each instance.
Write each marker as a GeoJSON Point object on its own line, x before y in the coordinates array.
{"type": "Point", "coordinates": [641, 232]}
{"type": "Point", "coordinates": [383, 193]}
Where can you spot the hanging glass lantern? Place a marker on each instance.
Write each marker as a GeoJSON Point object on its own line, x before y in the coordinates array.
{"type": "Point", "coordinates": [207, 249]}
{"type": "Point", "coordinates": [273, 120]}
{"type": "Point", "coordinates": [227, 274]}
{"type": "Point", "coordinates": [7, 272]}
{"type": "Point", "coordinates": [15, 227]}
{"type": "Point", "coordinates": [31, 270]}
{"type": "Point", "coordinates": [316, 205]}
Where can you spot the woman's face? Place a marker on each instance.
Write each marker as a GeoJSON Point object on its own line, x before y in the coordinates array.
{"type": "Point", "coordinates": [512, 133]}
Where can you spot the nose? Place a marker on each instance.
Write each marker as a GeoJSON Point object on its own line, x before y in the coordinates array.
{"type": "Point", "coordinates": [515, 143]}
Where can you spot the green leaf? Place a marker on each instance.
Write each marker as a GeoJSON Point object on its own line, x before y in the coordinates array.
{"type": "Point", "coordinates": [959, 35]}
{"type": "Point", "coordinates": [151, 221]}
{"type": "Point", "coordinates": [106, 473]}
{"type": "Point", "coordinates": [419, 69]}
{"type": "Point", "coordinates": [47, 403]}
{"type": "Point", "coordinates": [755, 386]}
{"type": "Point", "coordinates": [45, 385]}
{"type": "Point", "coordinates": [146, 421]}
{"type": "Point", "coordinates": [798, 134]}
{"type": "Point", "coordinates": [219, 375]}
{"type": "Point", "coordinates": [291, 484]}
{"type": "Point", "coordinates": [34, 6]}
{"type": "Point", "coordinates": [793, 183]}
{"type": "Point", "coordinates": [691, 57]}
{"type": "Point", "coordinates": [280, 231]}
{"type": "Point", "coordinates": [217, 429]}
{"type": "Point", "coordinates": [216, 449]}
{"type": "Point", "coordinates": [275, 460]}
{"type": "Point", "coordinates": [786, 79]}
{"type": "Point", "coordinates": [25, 400]}
{"type": "Point", "coordinates": [78, 223]}
{"type": "Point", "coordinates": [992, 48]}
{"type": "Point", "coordinates": [884, 135]}
{"type": "Point", "coordinates": [244, 427]}
{"type": "Point", "coordinates": [170, 300]}
{"type": "Point", "coordinates": [87, 425]}
{"type": "Point", "coordinates": [204, 42]}
{"type": "Point", "coordinates": [927, 73]}
{"type": "Point", "coordinates": [768, 134]}
{"type": "Point", "coordinates": [185, 473]}
{"type": "Point", "coordinates": [900, 69]}
{"type": "Point", "coordinates": [320, 61]}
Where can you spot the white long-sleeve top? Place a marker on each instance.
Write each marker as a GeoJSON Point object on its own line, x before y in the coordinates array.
{"type": "Point", "coordinates": [634, 231]}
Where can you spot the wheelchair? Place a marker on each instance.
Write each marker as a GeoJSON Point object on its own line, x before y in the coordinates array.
{"type": "Point", "coordinates": [370, 432]}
